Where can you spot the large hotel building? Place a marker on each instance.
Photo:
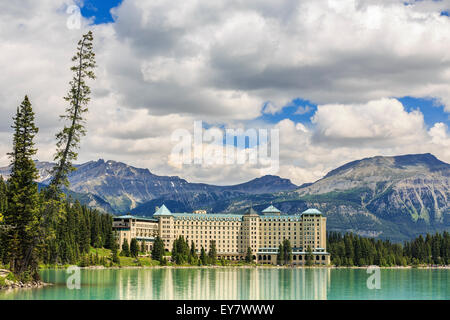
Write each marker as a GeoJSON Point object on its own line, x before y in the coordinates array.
{"type": "Point", "coordinates": [232, 233]}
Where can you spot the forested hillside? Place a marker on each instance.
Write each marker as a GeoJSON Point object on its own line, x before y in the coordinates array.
{"type": "Point", "coordinates": [353, 250]}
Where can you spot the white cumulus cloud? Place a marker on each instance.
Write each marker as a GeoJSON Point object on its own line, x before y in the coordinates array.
{"type": "Point", "coordinates": [164, 64]}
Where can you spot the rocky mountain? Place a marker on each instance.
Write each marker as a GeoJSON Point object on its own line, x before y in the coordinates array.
{"type": "Point", "coordinates": [215, 198]}
{"type": "Point", "coordinates": [118, 188]}
{"type": "Point", "coordinates": [387, 197]}
{"type": "Point", "coordinates": [43, 167]}
{"type": "Point", "coordinates": [265, 184]}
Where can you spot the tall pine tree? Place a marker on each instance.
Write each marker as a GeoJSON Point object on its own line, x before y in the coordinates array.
{"type": "Point", "coordinates": [78, 99]}
{"type": "Point", "coordinates": [3, 199]}
{"type": "Point", "coordinates": [212, 254]}
{"type": "Point", "coordinates": [158, 249]}
{"type": "Point", "coordinates": [287, 248]}
{"type": "Point", "coordinates": [134, 250]}
{"type": "Point", "coordinates": [22, 214]}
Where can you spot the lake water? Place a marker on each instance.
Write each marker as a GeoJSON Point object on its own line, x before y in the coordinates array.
{"type": "Point", "coordinates": [240, 283]}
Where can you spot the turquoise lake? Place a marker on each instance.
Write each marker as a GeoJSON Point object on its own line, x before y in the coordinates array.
{"type": "Point", "coordinates": [240, 283]}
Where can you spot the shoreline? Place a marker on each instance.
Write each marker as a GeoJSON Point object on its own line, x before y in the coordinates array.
{"type": "Point", "coordinates": [28, 285]}
{"type": "Point", "coordinates": [250, 267]}
{"type": "Point", "coordinates": [11, 285]}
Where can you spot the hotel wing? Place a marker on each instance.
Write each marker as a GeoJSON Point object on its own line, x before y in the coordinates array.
{"type": "Point", "coordinates": [233, 233]}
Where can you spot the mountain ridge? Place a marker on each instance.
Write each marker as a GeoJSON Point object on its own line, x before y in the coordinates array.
{"type": "Point", "coordinates": [125, 187]}
{"type": "Point", "coordinates": [394, 197]}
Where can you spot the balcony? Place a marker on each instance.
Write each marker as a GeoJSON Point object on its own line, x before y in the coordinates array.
{"type": "Point", "coordinates": [121, 225]}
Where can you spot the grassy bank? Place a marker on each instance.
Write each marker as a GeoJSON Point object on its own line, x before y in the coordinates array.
{"type": "Point", "coordinates": [6, 278]}
{"type": "Point", "coordinates": [102, 258]}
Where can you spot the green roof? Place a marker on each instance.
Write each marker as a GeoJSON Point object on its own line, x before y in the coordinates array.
{"type": "Point", "coordinates": [213, 216]}
{"type": "Point", "coordinates": [281, 218]}
{"type": "Point", "coordinates": [163, 211]}
{"type": "Point", "coordinates": [311, 211]}
{"type": "Point", "coordinates": [271, 209]}
{"type": "Point", "coordinates": [251, 212]}
{"type": "Point", "coordinates": [124, 217]}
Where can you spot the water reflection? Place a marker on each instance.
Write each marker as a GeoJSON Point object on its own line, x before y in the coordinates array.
{"type": "Point", "coordinates": [239, 284]}
{"type": "Point", "coordinates": [202, 284]}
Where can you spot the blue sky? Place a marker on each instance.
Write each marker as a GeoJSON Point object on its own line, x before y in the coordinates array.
{"type": "Point", "coordinates": [432, 110]}
{"type": "Point", "coordinates": [99, 9]}
{"type": "Point", "coordinates": [299, 110]}
{"type": "Point", "coordinates": [302, 110]}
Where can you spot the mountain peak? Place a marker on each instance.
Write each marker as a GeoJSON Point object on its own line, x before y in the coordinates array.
{"type": "Point", "coordinates": [265, 184]}
{"type": "Point", "coordinates": [425, 161]}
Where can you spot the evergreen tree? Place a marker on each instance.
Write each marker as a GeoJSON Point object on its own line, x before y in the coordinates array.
{"type": "Point", "coordinates": [3, 206]}
{"type": "Point", "coordinates": [175, 251]}
{"type": "Point", "coordinates": [3, 197]}
{"type": "Point", "coordinates": [193, 254]}
{"type": "Point", "coordinates": [349, 248]}
{"type": "Point", "coordinates": [84, 232]}
{"type": "Point", "coordinates": [78, 99]}
{"type": "Point", "coordinates": [357, 250]}
{"type": "Point", "coordinates": [429, 250]}
{"type": "Point", "coordinates": [180, 251]}
{"type": "Point", "coordinates": [114, 254]}
{"type": "Point", "coordinates": [337, 261]}
{"type": "Point", "coordinates": [287, 252]}
{"type": "Point", "coordinates": [125, 248]}
{"type": "Point", "coordinates": [22, 213]}
{"type": "Point", "coordinates": [95, 231]}
{"type": "Point", "coordinates": [445, 248]}
{"type": "Point", "coordinates": [109, 233]}
{"type": "Point", "coordinates": [212, 254]}
{"type": "Point", "coordinates": [134, 250]}
{"type": "Point", "coordinates": [158, 249]}
{"type": "Point", "coordinates": [249, 255]}
{"type": "Point", "coordinates": [435, 248]}
{"type": "Point", "coordinates": [280, 255]}
{"type": "Point", "coordinates": [203, 257]}
{"type": "Point", "coordinates": [309, 257]}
